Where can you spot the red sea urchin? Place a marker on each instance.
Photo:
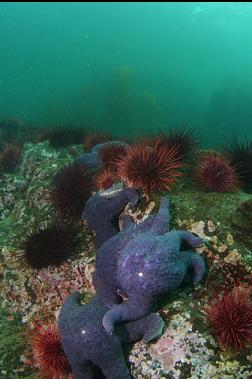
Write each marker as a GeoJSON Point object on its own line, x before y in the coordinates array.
{"type": "Point", "coordinates": [72, 186]}
{"type": "Point", "coordinates": [9, 157]}
{"type": "Point", "coordinates": [215, 174]}
{"type": "Point", "coordinates": [183, 137]}
{"type": "Point", "coordinates": [48, 354]}
{"type": "Point", "coordinates": [152, 169]}
{"type": "Point", "coordinates": [230, 318]}
{"type": "Point", "coordinates": [110, 154]}
{"type": "Point", "coordinates": [105, 179]}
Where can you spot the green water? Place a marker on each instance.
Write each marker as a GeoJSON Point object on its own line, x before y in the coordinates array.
{"type": "Point", "coordinates": [128, 67]}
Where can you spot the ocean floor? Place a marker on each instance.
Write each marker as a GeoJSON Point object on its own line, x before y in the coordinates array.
{"type": "Point", "coordinates": [187, 349]}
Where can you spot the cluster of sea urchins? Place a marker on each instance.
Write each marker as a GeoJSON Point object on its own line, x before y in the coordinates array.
{"type": "Point", "coordinates": [153, 169]}
{"type": "Point", "coordinates": [109, 156]}
{"type": "Point", "coordinates": [152, 164]}
{"type": "Point", "coordinates": [215, 172]}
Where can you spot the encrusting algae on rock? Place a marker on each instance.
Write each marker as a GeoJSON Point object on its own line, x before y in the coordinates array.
{"type": "Point", "coordinates": [187, 349]}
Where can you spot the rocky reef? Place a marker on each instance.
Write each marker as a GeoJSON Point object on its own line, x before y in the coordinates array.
{"type": "Point", "coordinates": [187, 348]}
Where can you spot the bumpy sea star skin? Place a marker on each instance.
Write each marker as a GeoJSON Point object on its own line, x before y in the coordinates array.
{"type": "Point", "coordinates": [92, 159]}
{"type": "Point", "coordinates": [148, 270]}
{"type": "Point", "coordinates": [86, 343]}
{"type": "Point", "coordinates": [102, 212]}
{"type": "Point", "coordinates": [195, 266]}
{"type": "Point", "coordinates": [105, 275]}
{"type": "Point", "coordinates": [142, 263]}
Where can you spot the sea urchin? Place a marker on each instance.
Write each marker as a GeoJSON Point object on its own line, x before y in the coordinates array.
{"type": "Point", "coordinates": [215, 174]}
{"type": "Point", "coordinates": [240, 154]}
{"type": "Point", "coordinates": [105, 179]}
{"type": "Point", "coordinates": [152, 169]}
{"type": "Point", "coordinates": [47, 247]}
{"type": "Point", "coordinates": [9, 157]}
{"type": "Point", "coordinates": [72, 186]}
{"type": "Point", "coordinates": [48, 354]}
{"type": "Point", "coordinates": [110, 154]}
{"type": "Point", "coordinates": [183, 137]}
{"type": "Point", "coordinates": [230, 318]}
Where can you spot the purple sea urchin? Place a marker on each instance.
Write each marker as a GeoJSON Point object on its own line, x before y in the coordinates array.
{"type": "Point", "coordinates": [71, 188]}
{"type": "Point", "coordinates": [240, 155]}
{"type": "Point", "coordinates": [47, 247]}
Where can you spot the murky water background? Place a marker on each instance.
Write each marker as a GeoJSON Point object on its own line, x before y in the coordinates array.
{"type": "Point", "coordinates": [128, 66]}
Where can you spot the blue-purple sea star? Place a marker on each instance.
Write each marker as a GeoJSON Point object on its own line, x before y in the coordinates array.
{"type": "Point", "coordinates": [87, 345]}
{"type": "Point", "coordinates": [142, 263]}
{"type": "Point", "coordinates": [92, 159]}
{"type": "Point", "coordinates": [102, 212]}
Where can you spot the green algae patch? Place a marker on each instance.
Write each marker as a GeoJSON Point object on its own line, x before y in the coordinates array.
{"type": "Point", "coordinates": [5, 226]}
{"type": "Point", "coordinates": [197, 205]}
{"type": "Point", "coordinates": [242, 223]}
{"type": "Point", "coordinates": [12, 344]}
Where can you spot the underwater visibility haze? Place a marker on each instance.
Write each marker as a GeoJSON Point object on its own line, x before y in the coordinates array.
{"type": "Point", "coordinates": [128, 67]}
{"type": "Point", "coordinates": [126, 190]}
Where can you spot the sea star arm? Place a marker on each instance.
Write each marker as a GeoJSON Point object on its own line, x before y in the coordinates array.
{"type": "Point", "coordinates": [115, 205]}
{"type": "Point", "coordinates": [195, 262]}
{"type": "Point", "coordinates": [158, 223]}
{"type": "Point", "coordinates": [116, 369]}
{"type": "Point", "coordinates": [83, 370]}
{"type": "Point", "coordinates": [146, 329]}
{"type": "Point", "coordinates": [126, 222]}
{"type": "Point", "coordinates": [191, 239]}
{"type": "Point", "coordinates": [97, 148]}
{"type": "Point", "coordinates": [72, 301]}
{"type": "Point", "coordinates": [102, 214]}
{"type": "Point", "coordinates": [161, 222]}
{"type": "Point", "coordinates": [133, 309]}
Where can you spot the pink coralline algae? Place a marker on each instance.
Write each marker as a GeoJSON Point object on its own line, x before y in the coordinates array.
{"type": "Point", "coordinates": [179, 347]}
{"type": "Point", "coordinates": [167, 350]}
{"type": "Point", "coordinates": [48, 288]}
